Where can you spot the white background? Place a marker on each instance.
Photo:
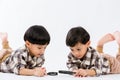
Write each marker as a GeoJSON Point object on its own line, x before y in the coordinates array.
{"type": "Point", "coordinates": [98, 17]}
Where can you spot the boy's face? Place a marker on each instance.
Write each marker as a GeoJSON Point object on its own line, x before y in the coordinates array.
{"type": "Point", "coordinates": [35, 49]}
{"type": "Point", "coordinates": [79, 50]}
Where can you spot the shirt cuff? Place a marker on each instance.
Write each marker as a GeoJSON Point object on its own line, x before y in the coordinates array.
{"type": "Point", "coordinates": [98, 72]}
{"type": "Point", "coordinates": [17, 69]}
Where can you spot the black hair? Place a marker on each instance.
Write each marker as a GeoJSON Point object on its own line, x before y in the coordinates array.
{"type": "Point", "coordinates": [37, 34]}
{"type": "Point", "coordinates": [77, 34]}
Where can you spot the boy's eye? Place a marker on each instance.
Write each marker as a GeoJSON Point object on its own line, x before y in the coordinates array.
{"type": "Point", "coordinates": [71, 49]}
{"type": "Point", "coordinates": [78, 49]}
{"type": "Point", "coordinates": [39, 48]}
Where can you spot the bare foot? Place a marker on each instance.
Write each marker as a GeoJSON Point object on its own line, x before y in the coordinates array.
{"type": "Point", "coordinates": [107, 38]}
{"type": "Point", "coordinates": [3, 36]}
{"type": "Point", "coordinates": [116, 35]}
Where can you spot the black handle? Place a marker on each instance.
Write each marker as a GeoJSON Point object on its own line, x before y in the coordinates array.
{"type": "Point", "coordinates": [66, 72]}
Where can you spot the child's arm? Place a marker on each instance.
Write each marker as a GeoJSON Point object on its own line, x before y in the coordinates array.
{"type": "Point", "coordinates": [84, 72]}
{"type": "Point", "coordinates": [33, 72]}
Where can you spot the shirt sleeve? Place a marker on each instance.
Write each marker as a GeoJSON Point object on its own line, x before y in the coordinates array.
{"type": "Point", "coordinates": [40, 61]}
{"type": "Point", "coordinates": [97, 66]}
{"type": "Point", "coordinates": [18, 62]}
{"type": "Point", "coordinates": [101, 66]}
{"type": "Point", "coordinates": [70, 63]}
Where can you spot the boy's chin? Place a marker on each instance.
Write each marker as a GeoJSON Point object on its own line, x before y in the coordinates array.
{"type": "Point", "coordinates": [37, 55]}
{"type": "Point", "coordinates": [78, 57]}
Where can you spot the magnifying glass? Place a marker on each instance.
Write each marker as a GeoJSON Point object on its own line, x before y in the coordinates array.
{"type": "Point", "coordinates": [52, 73]}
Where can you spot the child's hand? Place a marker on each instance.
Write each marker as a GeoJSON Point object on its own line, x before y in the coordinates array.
{"type": "Point", "coordinates": [80, 73]}
{"type": "Point", "coordinates": [40, 71]}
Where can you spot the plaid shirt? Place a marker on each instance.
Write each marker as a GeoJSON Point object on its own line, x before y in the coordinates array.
{"type": "Point", "coordinates": [92, 60]}
{"type": "Point", "coordinates": [21, 58]}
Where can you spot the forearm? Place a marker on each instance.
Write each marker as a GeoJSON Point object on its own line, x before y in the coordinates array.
{"type": "Point", "coordinates": [27, 72]}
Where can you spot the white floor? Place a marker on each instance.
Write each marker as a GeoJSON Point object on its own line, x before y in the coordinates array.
{"type": "Point", "coordinates": [8, 76]}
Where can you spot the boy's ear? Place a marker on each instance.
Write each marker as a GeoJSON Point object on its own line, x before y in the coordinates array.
{"type": "Point", "coordinates": [27, 43]}
{"type": "Point", "coordinates": [88, 43]}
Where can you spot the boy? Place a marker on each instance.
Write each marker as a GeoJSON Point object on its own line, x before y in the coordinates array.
{"type": "Point", "coordinates": [85, 60]}
{"type": "Point", "coordinates": [28, 59]}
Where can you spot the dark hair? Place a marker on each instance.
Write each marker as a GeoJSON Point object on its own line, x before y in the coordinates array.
{"type": "Point", "coordinates": [77, 34]}
{"type": "Point", "coordinates": [37, 34]}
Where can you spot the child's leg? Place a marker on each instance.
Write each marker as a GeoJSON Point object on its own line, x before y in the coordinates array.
{"type": "Point", "coordinates": [107, 38]}
{"type": "Point", "coordinates": [117, 38]}
{"type": "Point", "coordinates": [114, 65]}
{"type": "Point", "coordinates": [2, 52]}
{"type": "Point", "coordinates": [115, 62]}
{"type": "Point", "coordinates": [118, 55]}
{"type": "Point", "coordinates": [5, 45]}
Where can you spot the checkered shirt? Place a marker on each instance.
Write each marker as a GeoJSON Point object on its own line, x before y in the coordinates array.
{"type": "Point", "coordinates": [21, 58]}
{"type": "Point", "coordinates": [91, 60]}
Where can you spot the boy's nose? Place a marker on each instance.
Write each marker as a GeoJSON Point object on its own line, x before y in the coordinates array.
{"type": "Point", "coordinates": [76, 53]}
{"type": "Point", "coordinates": [42, 51]}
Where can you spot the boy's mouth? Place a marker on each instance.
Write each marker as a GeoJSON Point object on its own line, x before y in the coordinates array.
{"type": "Point", "coordinates": [38, 55]}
